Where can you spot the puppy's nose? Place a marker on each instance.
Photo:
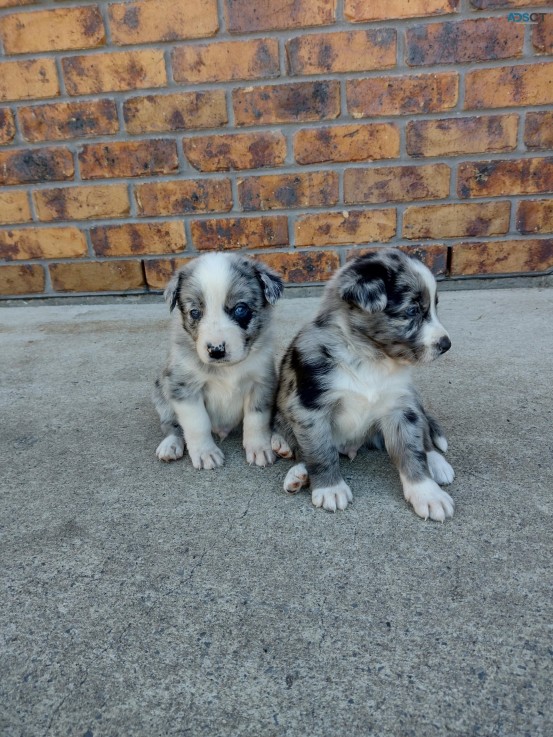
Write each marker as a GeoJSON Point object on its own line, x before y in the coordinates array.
{"type": "Point", "coordinates": [444, 344]}
{"type": "Point", "coordinates": [216, 351]}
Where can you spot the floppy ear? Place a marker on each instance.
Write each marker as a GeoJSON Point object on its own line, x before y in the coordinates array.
{"type": "Point", "coordinates": [171, 293]}
{"type": "Point", "coordinates": [271, 283]}
{"type": "Point", "coordinates": [366, 290]}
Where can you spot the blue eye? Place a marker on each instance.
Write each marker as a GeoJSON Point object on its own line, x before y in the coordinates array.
{"type": "Point", "coordinates": [412, 311]}
{"type": "Point", "coordinates": [241, 310]}
{"type": "Point", "coordinates": [195, 314]}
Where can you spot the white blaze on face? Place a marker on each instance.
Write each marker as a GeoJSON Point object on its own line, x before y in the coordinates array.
{"type": "Point", "coordinates": [432, 329]}
{"type": "Point", "coordinates": [216, 328]}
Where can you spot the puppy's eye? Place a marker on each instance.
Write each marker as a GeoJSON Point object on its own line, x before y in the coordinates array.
{"type": "Point", "coordinates": [241, 310]}
{"type": "Point", "coordinates": [412, 311]}
{"type": "Point", "coordinates": [195, 314]}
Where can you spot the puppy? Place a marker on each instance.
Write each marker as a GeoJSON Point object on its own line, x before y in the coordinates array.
{"type": "Point", "coordinates": [221, 364]}
{"type": "Point", "coordinates": [346, 381]}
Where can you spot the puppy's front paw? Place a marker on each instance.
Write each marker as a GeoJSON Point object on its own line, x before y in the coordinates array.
{"type": "Point", "coordinates": [296, 477]}
{"type": "Point", "coordinates": [332, 497]}
{"type": "Point", "coordinates": [259, 452]}
{"type": "Point", "coordinates": [428, 499]}
{"type": "Point", "coordinates": [206, 456]}
{"type": "Point", "coordinates": [440, 470]}
{"type": "Point", "coordinates": [280, 446]}
{"type": "Point", "coordinates": [171, 448]}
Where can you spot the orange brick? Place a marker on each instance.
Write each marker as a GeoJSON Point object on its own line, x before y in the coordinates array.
{"type": "Point", "coordinates": [132, 239]}
{"type": "Point", "coordinates": [287, 103]}
{"type": "Point", "coordinates": [7, 126]}
{"type": "Point", "coordinates": [178, 111]}
{"type": "Point", "coordinates": [128, 159]}
{"type": "Point", "coordinates": [21, 279]}
{"type": "Point", "coordinates": [159, 271]}
{"type": "Point", "coordinates": [227, 233]}
{"type": "Point", "coordinates": [226, 61]}
{"type": "Point", "coordinates": [65, 120]}
{"type": "Point", "coordinates": [42, 243]}
{"type": "Point", "coordinates": [346, 51]}
{"type": "Point", "coordinates": [501, 257]}
{"type": "Point", "coordinates": [357, 142]}
{"type": "Point", "coordinates": [282, 191]}
{"type": "Point", "coordinates": [243, 16]}
{"type": "Point", "coordinates": [449, 221]}
{"type": "Point", "coordinates": [493, 4]}
{"type": "Point", "coordinates": [113, 72]}
{"type": "Point", "coordinates": [535, 216]}
{"type": "Point", "coordinates": [453, 136]}
{"type": "Point", "coordinates": [162, 20]}
{"type": "Point", "coordinates": [238, 151]}
{"type": "Point", "coordinates": [23, 80]}
{"type": "Point", "coordinates": [396, 184]}
{"type": "Point", "coordinates": [52, 30]}
{"type": "Point", "coordinates": [82, 203]}
{"type": "Point", "coordinates": [433, 255]}
{"type": "Point", "coordinates": [524, 84]}
{"type": "Point", "coordinates": [499, 178]}
{"type": "Point", "coordinates": [13, 3]}
{"type": "Point", "coordinates": [300, 267]}
{"type": "Point", "coordinates": [14, 208]}
{"type": "Point", "coordinates": [538, 131]}
{"type": "Point", "coordinates": [22, 166]}
{"type": "Point", "coordinates": [542, 34]}
{"type": "Point", "coordinates": [424, 93]}
{"type": "Point", "coordinates": [99, 276]}
{"type": "Point", "coordinates": [183, 196]}
{"type": "Point", "coordinates": [457, 42]}
{"type": "Point", "coordinates": [358, 11]}
{"type": "Point", "coordinates": [353, 226]}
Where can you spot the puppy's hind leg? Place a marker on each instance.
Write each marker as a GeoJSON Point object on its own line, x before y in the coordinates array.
{"type": "Point", "coordinates": [436, 433]}
{"type": "Point", "coordinates": [171, 447]}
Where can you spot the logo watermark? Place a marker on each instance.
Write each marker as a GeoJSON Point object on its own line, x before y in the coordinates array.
{"type": "Point", "coordinates": [526, 17]}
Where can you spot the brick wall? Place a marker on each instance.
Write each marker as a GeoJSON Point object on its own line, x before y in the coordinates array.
{"type": "Point", "coordinates": [134, 135]}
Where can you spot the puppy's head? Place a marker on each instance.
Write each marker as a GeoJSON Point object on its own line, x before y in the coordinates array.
{"type": "Point", "coordinates": [224, 302]}
{"type": "Point", "coordinates": [391, 299]}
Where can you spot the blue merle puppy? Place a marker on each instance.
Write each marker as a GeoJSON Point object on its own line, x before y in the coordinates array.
{"type": "Point", "coordinates": [346, 381]}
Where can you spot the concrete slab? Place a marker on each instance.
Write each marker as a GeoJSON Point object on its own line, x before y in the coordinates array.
{"type": "Point", "coordinates": [150, 599]}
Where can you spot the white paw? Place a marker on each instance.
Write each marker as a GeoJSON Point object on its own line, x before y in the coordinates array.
{"type": "Point", "coordinates": [441, 443]}
{"type": "Point", "coordinates": [440, 470]}
{"type": "Point", "coordinates": [280, 446]}
{"type": "Point", "coordinates": [332, 497]}
{"type": "Point", "coordinates": [171, 448]}
{"type": "Point", "coordinates": [296, 477]}
{"type": "Point", "coordinates": [207, 456]}
{"type": "Point", "coordinates": [428, 499]}
{"type": "Point", "coordinates": [259, 453]}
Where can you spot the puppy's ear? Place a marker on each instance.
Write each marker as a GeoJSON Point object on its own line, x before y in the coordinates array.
{"type": "Point", "coordinates": [365, 288]}
{"type": "Point", "coordinates": [171, 293]}
{"type": "Point", "coordinates": [271, 283]}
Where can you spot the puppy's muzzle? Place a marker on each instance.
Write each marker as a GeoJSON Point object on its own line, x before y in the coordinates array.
{"type": "Point", "coordinates": [443, 345]}
{"type": "Point", "coordinates": [216, 352]}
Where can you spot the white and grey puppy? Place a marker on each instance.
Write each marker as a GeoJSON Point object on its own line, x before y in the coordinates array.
{"type": "Point", "coordinates": [346, 381]}
{"type": "Point", "coordinates": [221, 364]}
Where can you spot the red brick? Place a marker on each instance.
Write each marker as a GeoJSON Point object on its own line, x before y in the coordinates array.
{"type": "Point", "coordinates": [424, 93]}
{"type": "Point", "coordinates": [396, 184]}
{"type": "Point", "coordinates": [238, 151]}
{"type": "Point", "coordinates": [114, 72]}
{"type": "Point", "coordinates": [64, 120]}
{"type": "Point", "coordinates": [21, 279]}
{"type": "Point", "coordinates": [14, 207]}
{"type": "Point", "coordinates": [542, 34]}
{"type": "Point", "coordinates": [433, 255]}
{"type": "Point", "coordinates": [244, 16]}
{"type": "Point", "coordinates": [99, 276]}
{"type": "Point", "coordinates": [481, 39]}
{"type": "Point", "coordinates": [52, 30]}
{"type": "Point", "coordinates": [300, 267]}
{"type": "Point", "coordinates": [535, 216]}
{"type": "Point", "coordinates": [356, 142]}
{"type": "Point", "coordinates": [82, 203]}
{"type": "Point", "coordinates": [501, 257]}
{"type": "Point", "coordinates": [184, 196]}
{"type": "Point", "coordinates": [7, 126]}
{"type": "Point", "coordinates": [23, 166]}
{"type": "Point", "coordinates": [507, 177]}
{"type": "Point", "coordinates": [159, 271]}
{"type": "Point", "coordinates": [353, 226]}
{"type": "Point", "coordinates": [162, 20]}
{"type": "Point", "coordinates": [524, 84]}
{"type": "Point", "coordinates": [179, 111]}
{"type": "Point", "coordinates": [128, 159]}
{"type": "Point", "coordinates": [493, 4]}
{"type": "Point", "coordinates": [133, 239]}
{"type": "Point", "coordinates": [226, 61]}
{"type": "Point", "coordinates": [13, 3]}
{"type": "Point", "coordinates": [358, 11]}
{"type": "Point", "coordinates": [345, 51]}
{"type": "Point", "coordinates": [538, 131]}
{"type": "Point", "coordinates": [30, 243]}
{"type": "Point", "coordinates": [24, 80]}
{"type": "Point", "coordinates": [228, 233]}
{"type": "Point", "coordinates": [453, 136]}
{"type": "Point", "coordinates": [449, 221]}
{"type": "Point", "coordinates": [282, 191]}
{"type": "Point", "coordinates": [287, 103]}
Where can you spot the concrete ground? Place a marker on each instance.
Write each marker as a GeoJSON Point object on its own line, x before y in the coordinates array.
{"type": "Point", "coordinates": [145, 599]}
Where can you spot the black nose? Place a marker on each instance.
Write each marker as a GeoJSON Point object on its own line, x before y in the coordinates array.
{"type": "Point", "coordinates": [216, 351]}
{"type": "Point", "coordinates": [444, 344]}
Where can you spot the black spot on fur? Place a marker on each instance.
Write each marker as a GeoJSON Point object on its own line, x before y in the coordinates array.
{"type": "Point", "coordinates": [411, 416]}
{"type": "Point", "coordinates": [309, 378]}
